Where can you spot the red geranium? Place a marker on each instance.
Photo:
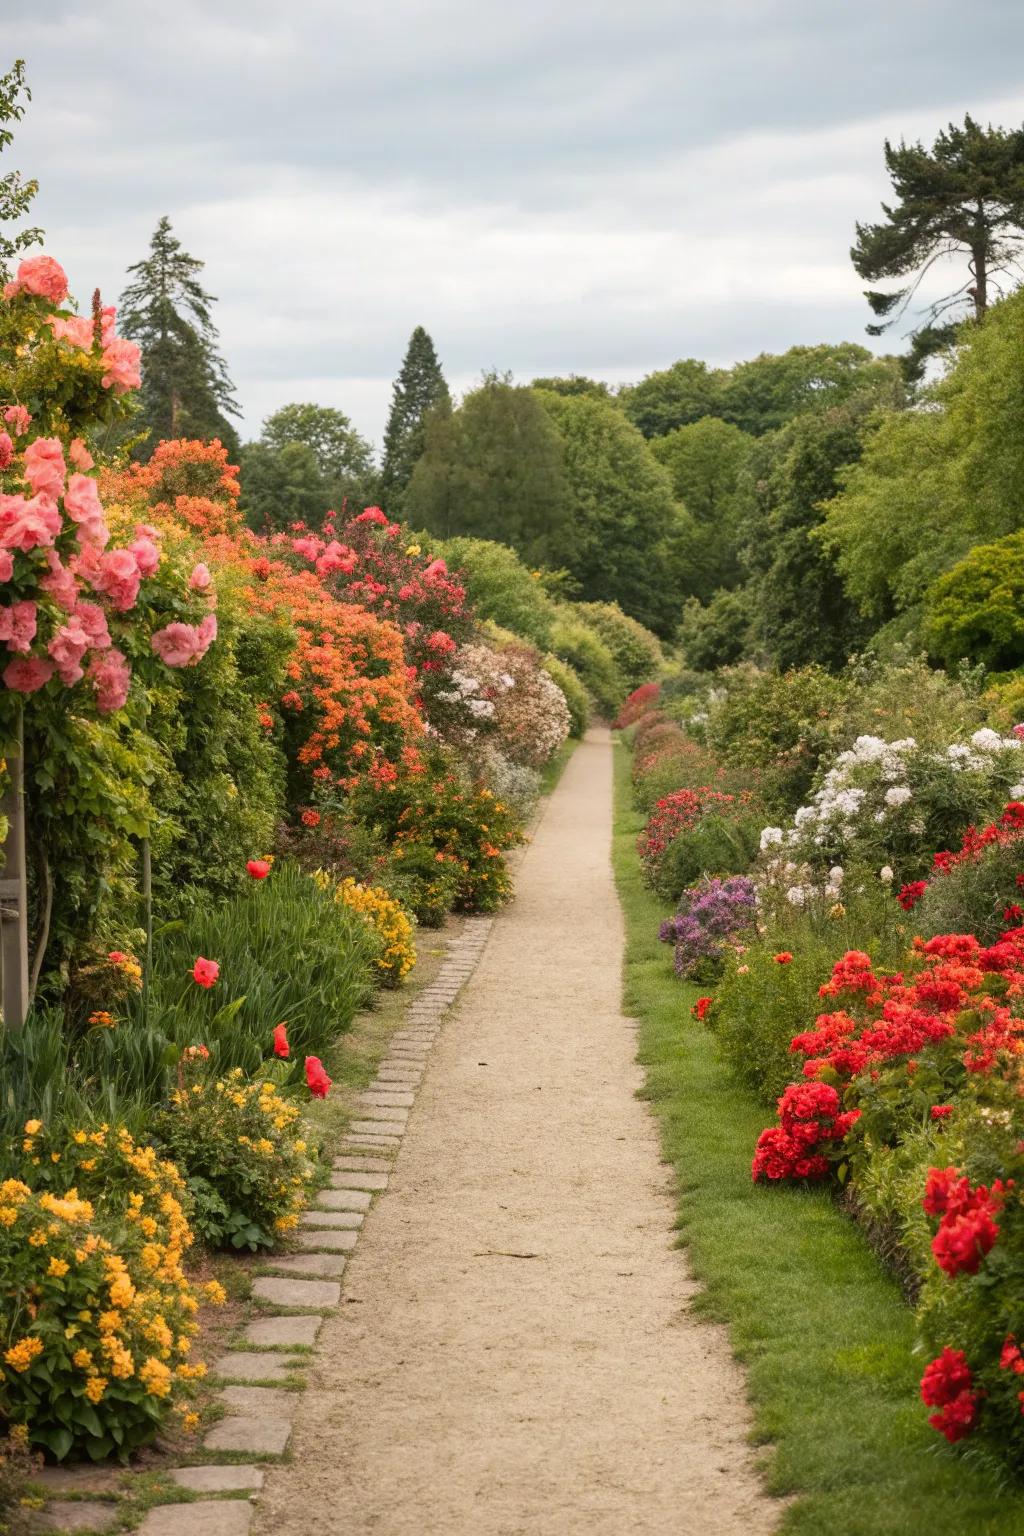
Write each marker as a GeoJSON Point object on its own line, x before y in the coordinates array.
{"type": "Point", "coordinates": [946, 1385]}
{"type": "Point", "coordinates": [911, 894]}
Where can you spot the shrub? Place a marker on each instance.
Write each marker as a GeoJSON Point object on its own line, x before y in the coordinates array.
{"type": "Point", "coordinates": [974, 609]}
{"type": "Point", "coordinates": [514, 784]}
{"type": "Point", "coordinates": [576, 697]}
{"type": "Point", "coordinates": [501, 588]}
{"type": "Point", "coordinates": [636, 650]}
{"type": "Point", "coordinates": [241, 1147]}
{"type": "Point", "coordinates": [572, 641]}
{"type": "Point", "coordinates": [639, 702]}
{"type": "Point", "coordinates": [712, 915]}
{"type": "Point", "coordinates": [722, 842]}
{"type": "Point", "coordinates": [529, 712]}
{"type": "Point", "coordinates": [427, 880]}
{"type": "Point", "coordinates": [673, 816]}
{"type": "Point", "coordinates": [977, 889]}
{"type": "Point", "coordinates": [390, 925]}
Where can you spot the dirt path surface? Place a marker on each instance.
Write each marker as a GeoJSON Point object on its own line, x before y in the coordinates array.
{"type": "Point", "coordinates": [512, 1354]}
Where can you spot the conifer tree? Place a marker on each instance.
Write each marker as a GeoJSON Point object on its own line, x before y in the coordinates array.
{"type": "Point", "coordinates": [419, 392]}
{"type": "Point", "coordinates": [186, 391]}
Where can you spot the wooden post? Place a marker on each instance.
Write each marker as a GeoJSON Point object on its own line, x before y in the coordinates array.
{"type": "Point", "coordinates": [14, 892]}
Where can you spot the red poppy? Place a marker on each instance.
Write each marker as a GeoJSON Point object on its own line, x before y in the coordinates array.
{"type": "Point", "coordinates": [701, 1006]}
{"type": "Point", "coordinates": [783, 957]}
{"type": "Point", "coordinates": [281, 1046]}
{"type": "Point", "coordinates": [258, 868]}
{"type": "Point", "coordinates": [205, 972]}
{"type": "Point", "coordinates": [941, 1111]}
{"type": "Point", "coordinates": [316, 1078]}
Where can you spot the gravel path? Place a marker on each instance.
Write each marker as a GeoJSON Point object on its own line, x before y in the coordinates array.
{"type": "Point", "coordinates": [512, 1353]}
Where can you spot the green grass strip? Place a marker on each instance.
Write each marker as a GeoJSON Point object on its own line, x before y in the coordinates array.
{"type": "Point", "coordinates": [826, 1339]}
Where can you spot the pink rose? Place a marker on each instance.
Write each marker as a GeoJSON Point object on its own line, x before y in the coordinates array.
{"type": "Point", "coordinates": [6, 450]}
{"type": "Point", "coordinates": [26, 525]}
{"type": "Point", "coordinates": [435, 569]}
{"type": "Point", "coordinates": [94, 622]}
{"type": "Point", "coordinates": [111, 677]}
{"type": "Point", "coordinates": [82, 499]}
{"type": "Point", "coordinates": [59, 581]}
{"type": "Point", "coordinates": [200, 578]}
{"type": "Point", "coordinates": [18, 625]}
{"type": "Point", "coordinates": [308, 547]}
{"type": "Point", "coordinates": [108, 314]}
{"type": "Point", "coordinates": [147, 556]}
{"type": "Point", "coordinates": [27, 674]}
{"type": "Point", "coordinates": [44, 467]}
{"type": "Point", "coordinates": [207, 633]}
{"type": "Point", "coordinates": [337, 557]}
{"type": "Point", "coordinates": [177, 645]}
{"type": "Point", "coordinates": [18, 419]}
{"type": "Point", "coordinates": [69, 644]}
{"type": "Point", "coordinates": [118, 577]}
{"type": "Point", "coordinates": [6, 565]}
{"type": "Point", "coordinates": [79, 454]}
{"type": "Point", "coordinates": [121, 361]}
{"type": "Point", "coordinates": [78, 330]}
{"type": "Point", "coordinates": [42, 276]}
{"type": "Point", "coordinates": [147, 531]}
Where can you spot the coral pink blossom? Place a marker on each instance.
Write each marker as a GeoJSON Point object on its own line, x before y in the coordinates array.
{"type": "Point", "coordinates": [7, 565]}
{"type": "Point", "coordinates": [42, 276]}
{"type": "Point", "coordinates": [82, 499]}
{"type": "Point", "coordinates": [27, 674]}
{"type": "Point", "coordinates": [78, 330]}
{"type": "Point", "coordinates": [59, 581]}
{"type": "Point", "coordinates": [200, 578]}
{"type": "Point", "coordinates": [94, 621]}
{"type": "Point", "coordinates": [317, 1081]}
{"type": "Point", "coordinates": [205, 972]}
{"type": "Point", "coordinates": [44, 467]}
{"type": "Point", "coordinates": [180, 645]}
{"type": "Point", "coordinates": [18, 625]}
{"type": "Point", "coordinates": [26, 525]}
{"type": "Point", "coordinates": [79, 454]}
{"type": "Point", "coordinates": [147, 556]}
{"type": "Point", "coordinates": [207, 632]}
{"type": "Point", "coordinates": [6, 450]}
{"type": "Point", "coordinates": [435, 570]}
{"type": "Point", "coordinates": [69, 644]}
{"type": "Point", "coordinates": [118, 577]}
{"type": "Point", "coordinates": [337, 557]}
{"type": "Point", "coordinates": [121, 361]}
{"type": "Point", "coordinates": [372, 515]}
{"type": "Point", "coordinates": [258, 868]}
{"type": "Point", "coordinates": [18, 419]}
{"type": "Point", "coordinates": [281, 1046]}
{"type": "Point", "coordinates": [110, 676]}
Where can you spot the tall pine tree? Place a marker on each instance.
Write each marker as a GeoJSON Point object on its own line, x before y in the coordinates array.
{"type": "Point", "coordinates": [419, 392]}
{"type": "Point", "coordinates": [186, 391]}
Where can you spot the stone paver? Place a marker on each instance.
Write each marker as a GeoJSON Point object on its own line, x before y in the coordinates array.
{"type": "Point", "coordinates": [394, 1114]}
{"type": "Point", "coordinates": [363, 1164]}
{"type": "Point", "coordinates": [219, 1479]}
{"type": "Point", "coordinates": [408, 1069]}
{"type": "Point", "coordinates": [376, 1127]}
{"type": "Point", "coordinates": [266, 1332]}
{"type": "Point", "coordinates": [84, 1478]}
{"type": "Point", "coordinates": [318, 1266]}
{"type": "Point", "coordinates": [252, 1365]}
{"type": "Point", "coordinates": [348, 1178]}
{"type": "Point", "coordinates": [77, 1515]}
{"type": "Point", "coordinates": [346, 1199]}
{"type": "Point", "coordinates": [380, 1098]}
{"type": "Point", "coordinates": [324, 1240]}
{"type": "Point", "coordinates": [206, 1517]}
{"type": "Point", "coordinates": [374, 1143]}
{"type": "Point", "coordinates": [316, 1294]}
{"type": "Point", "coordinates": [249, 1401]}
{"type": "Point", "coordinates": [353, 1220]}
{"type": "Point", "coordinates": [267, 1435]}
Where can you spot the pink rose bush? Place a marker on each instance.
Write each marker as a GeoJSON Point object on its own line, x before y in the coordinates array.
{"type": "Point", "coordinates": [76, 607]}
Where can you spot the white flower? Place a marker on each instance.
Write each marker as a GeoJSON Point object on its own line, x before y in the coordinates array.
{"type": "Point", "coordinates": [836, 875]}
{"type": "Point", "coordinates": [957, 752]}
{"type": "Point", "coordinates": [898, 795]}
{"type": "Point", "coordinates": [1017, 792]}
{"type": "Point", "coordinates": [770, 837]}
{"type": "Point", "coordinates": [504, 678]}
{"type": "Point", "coordinates": [796, 895]}
{"type": "Point", "coordinates": [805, 814]}
{"type": "Point", "coordinates": [886, 875]}
{"type": "Point", "coordinates": [879, 816]}
{"type": "Point", "coordinates": [987, 740]}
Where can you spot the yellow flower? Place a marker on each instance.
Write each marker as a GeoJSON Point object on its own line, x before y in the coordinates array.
{"type": "Point", "coordinates": [8, 1215]}
{"type": "Point", "coordinates": [38, 1237]}
{"type": "Point", "coordinates": [156, 1377]}
{"type": "Point", "coordinates": [20, 1356]}
{"type": "Point", "coordinates": [109, 1322]}
{"type": "Point", "coordinates": [190, 1421]}
{"type": "Point", "coordinates": [95, 1388]}
{"type": "Point", "coordinates": [413, 550]}
{"type": "Point", "coordinates": [82, 1358]}
{"type": "Point", "coordinates": [58, 1268]}
{"type": "Point", "coordinates": [122, 1292]}
{"type": "Point", "coordinates": [215, 1293]}
{"type": "Point", "coordinates": [33, 1127]}
{"type": "Point", "coordinates": [80, 1138]}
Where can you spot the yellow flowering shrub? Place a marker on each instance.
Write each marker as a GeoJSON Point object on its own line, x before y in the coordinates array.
{"type": "Point", "coordinates": [389, 919]}
{"type": "Point", "coordinates": [241, 1147]}
{"type": "Point", "coordinates": [98, 1318]}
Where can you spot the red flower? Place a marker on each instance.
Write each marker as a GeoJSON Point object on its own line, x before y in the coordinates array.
{"type": "Point", "coordinates": [1011, 1358]}
{"type": "Point", "coordinates": [941, 1111]}
{"type": "Point", "coordinates": [1013, 914]}
{"type": "Point", "coordinates": [311, 818]}
{"type": "Point", "coordinates": [701, 1006]}
{"type": "Point", "coordinates": [946, 1385]}
{"type": "Point", "coordinates": [783, 958]}
{"type": "Point", "coordinates": [117, 957]}
{"type": "Point", "coordinates": [205, 972]}
{"type": "Point", "coordinates": [316, 1078]}
{"type": "Point", "coordinates": [258, 868]}
{"type": "Point", "coordinates": [911, 894]}
{"type": "Point", "coordinates": [281, 1046]}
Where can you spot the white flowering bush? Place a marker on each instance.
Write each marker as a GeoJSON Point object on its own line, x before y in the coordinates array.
{"type": "Point", "coordinates": [891, 804]}
{"type": "Point", "coordinates": [504, 696]}
{"type": "Point", "coordinates": [517, 785]}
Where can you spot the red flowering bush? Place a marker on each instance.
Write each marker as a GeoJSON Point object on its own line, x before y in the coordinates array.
{"type": "Point", "coordinates": [638, 703]}
{"type": "Point", "coordinates": [811, 1131]}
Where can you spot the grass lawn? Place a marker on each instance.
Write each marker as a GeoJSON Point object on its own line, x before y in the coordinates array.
{"type": "Point", "coordinates": [825, 1336]}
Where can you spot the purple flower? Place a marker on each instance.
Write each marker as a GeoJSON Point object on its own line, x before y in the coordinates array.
{"type": "Point", "coordinates": [711, 914]}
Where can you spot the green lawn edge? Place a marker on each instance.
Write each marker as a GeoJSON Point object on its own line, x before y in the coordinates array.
{"type": "Point", "coordinates": [823, 1332]}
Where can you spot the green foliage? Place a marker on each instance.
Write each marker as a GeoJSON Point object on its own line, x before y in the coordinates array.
{"type": "Point", "coordinates": [723, 842]}
{"type": "Point", "coordinates": [186, 391]}
{"type": "Point", "coordinates": [716, 633]}
{"type": "Point", "coordinates": [706, 461]}
{"type": "Point", "coordinates": [16, 193]}
{"type": "Point", "coordinates": [972, 897]}
{"type": "Point", "coordinates": [576, 696]}
{"type": "Point", "coordinates": [308, 459]}
{"type": "Point", "coordinates": [771, 390]}
{"type": "Point", "coordinates": [574, 384]}
{"type": "Point", "coordinates": [591, 659]}
{"type": "Point", "coordinates": [933, 482]}
{"type": "Point", "coordinates": [500, 587]}
{"type": "Point", "coordinates": [673, 397]}
{"type": "Point", "coordinates": [637, 652]}
{"type": "Point", "coordinates": [495, 469]}
{"type": "Point", "coordinates": [622, 507]}
{"type": "Point", "coordinates": [964, 196]}
{"type": "Point", "coordinates": [419, 394]}
{"type": "Point", "coordinates": [976, 610]}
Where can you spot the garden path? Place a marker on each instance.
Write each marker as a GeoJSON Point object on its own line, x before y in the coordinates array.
{"type": "Point", "coordinates": [513, 1351]}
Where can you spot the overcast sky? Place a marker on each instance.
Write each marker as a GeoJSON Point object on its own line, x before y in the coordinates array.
{"type": "Point", "coordinates": [549, 186]}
